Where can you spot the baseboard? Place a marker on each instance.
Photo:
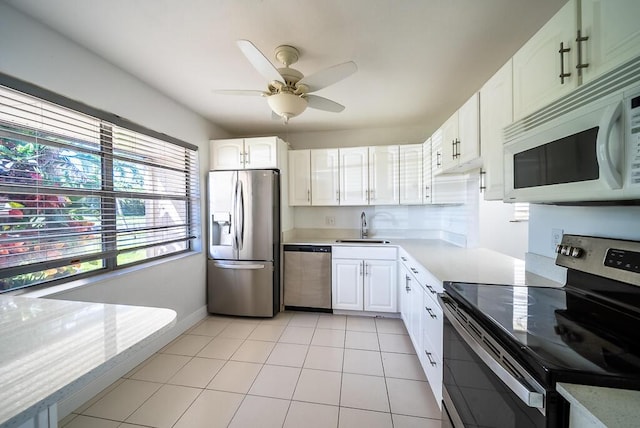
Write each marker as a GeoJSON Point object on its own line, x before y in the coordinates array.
{"type": "Point", "coordinates": [71, 403]}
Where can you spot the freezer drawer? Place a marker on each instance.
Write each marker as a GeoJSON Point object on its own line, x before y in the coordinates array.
{"type": "Point", "coordinates": [307, 276]}
{"type": "Point", "coordinates": [241, 288]}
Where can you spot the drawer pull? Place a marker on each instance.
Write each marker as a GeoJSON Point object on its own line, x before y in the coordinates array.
{"type": "Point", "coordinates": [431, 290]}
{"type": "Point", "coordinates": [430, 311]}
{"type": "Point", "coordinates": [404, 259]}
{"type": "Point", "coordinates": [433, 363]}
{"type": "Point", "coordinates": [414, 270]}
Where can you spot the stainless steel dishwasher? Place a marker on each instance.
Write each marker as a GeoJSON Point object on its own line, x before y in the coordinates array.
{"type": "Point", "coordinates": [307, 277]}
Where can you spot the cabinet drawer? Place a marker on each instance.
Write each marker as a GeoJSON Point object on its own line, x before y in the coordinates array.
{"type": "Point", "coordinates": [433, 365]}
{"type": "Point", "coordinates": [370, 253]}
{"type": "Point", "coordinates": [422, 275]}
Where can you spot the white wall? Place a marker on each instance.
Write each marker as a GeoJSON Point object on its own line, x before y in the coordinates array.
{"type": "Point", "coordinates": [610, 222]}
{"type": "Point", "coordinates": [498, 232]}
{"type": "Point", "coordinates": [32, 52]}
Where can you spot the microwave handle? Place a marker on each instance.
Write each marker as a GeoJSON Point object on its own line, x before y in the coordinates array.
{"type": "Point", "coordinates": [611, 175]}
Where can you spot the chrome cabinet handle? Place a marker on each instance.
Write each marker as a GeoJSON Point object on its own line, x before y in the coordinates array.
{"type": "Point", "coordinates": [414, 270]}
{"type": "Point", "coordinates": [430, 311]}
{"type": "Point", "coordinates": [579, 39]}
{"type": "Point", "coordinates": [407, 280]}
{"type": "Point", "coordinates": [361, 268]}
{"type": "Point", "coordinates": [338, 195]}
{"type": "Point", "coordinates": [308, 194]}
{"type": "Point", "coordinates": [431, 290]}
{"type": "Point", "coordinates": [404, 259]}
{"type": "Point", "coordinates": [562, 51]}
{"type": "Point", "coordinates": [433, 363]}
{"type": "Point", "coordinates": [247, 159]}
{"type": "Point", "coordinates": [438, 160]}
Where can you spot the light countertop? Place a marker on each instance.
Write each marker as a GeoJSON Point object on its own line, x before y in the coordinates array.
{"type": "Point", "coordinates": [448, 262]}
{"type": "Point", "coordinates": [604, 407]}
{"type": "Point", "coordinates": [49, 349]}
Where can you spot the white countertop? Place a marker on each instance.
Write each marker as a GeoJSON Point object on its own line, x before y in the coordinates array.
{"type": "Point", "coordinates": [52, 348]}
{"type": "Point", "coordinates": [448, 262]}
{"type": "Point", "coordinates": [604, 407]}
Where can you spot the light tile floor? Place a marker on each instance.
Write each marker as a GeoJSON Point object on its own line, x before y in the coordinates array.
{"type": "Point", "coordinates": [296, 370]}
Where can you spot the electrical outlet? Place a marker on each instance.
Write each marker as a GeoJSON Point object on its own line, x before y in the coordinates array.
{"type": "Point", "coordinates": [556, 237]}
{"type": "Point", "coordinates": [330, 220]}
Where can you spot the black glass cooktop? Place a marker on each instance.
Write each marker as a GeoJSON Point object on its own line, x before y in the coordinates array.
{"type": "Point", "coordinates": [562, 334]}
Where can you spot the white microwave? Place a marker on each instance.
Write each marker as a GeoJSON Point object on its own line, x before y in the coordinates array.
{"type": "Point", "coordinates": [589, 153]}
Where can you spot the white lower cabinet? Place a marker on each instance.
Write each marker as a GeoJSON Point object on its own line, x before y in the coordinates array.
{"type": "Point", "coordinates": [364, 279]}
{"type": "Point", "coordinates": [422, 317]}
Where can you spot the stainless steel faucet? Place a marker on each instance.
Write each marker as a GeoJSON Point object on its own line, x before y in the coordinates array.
{"type": "Point", "coordinates": [364, 232]}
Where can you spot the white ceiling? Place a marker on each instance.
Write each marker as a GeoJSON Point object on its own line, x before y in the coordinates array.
{"type": "Point", "coordinates": [418, 60]}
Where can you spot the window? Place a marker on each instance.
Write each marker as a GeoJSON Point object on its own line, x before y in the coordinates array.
{"type": "Point", "coordinates": [521, 211]}
{"type": "Point", "coordinates": [81, 195]}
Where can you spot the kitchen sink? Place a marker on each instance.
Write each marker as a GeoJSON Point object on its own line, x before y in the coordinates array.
{"type": "Point", "coordinates": [362, 241]}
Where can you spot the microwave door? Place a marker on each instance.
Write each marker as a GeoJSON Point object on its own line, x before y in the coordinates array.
{"type": "Point", "coordinates": [222, 195]}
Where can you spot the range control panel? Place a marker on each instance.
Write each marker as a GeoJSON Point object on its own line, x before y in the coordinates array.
{"type": "Point", "coordinates": [610, 258]}
{"type": "Point", "coordinates": [621, 259]}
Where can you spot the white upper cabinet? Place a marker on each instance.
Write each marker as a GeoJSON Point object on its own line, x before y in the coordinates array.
{"type": "Point", "coordinates": [300, 177]}
{"type": "Point", "coordinates": [541, 73]}
{"type": "Point", "coordinates": [261, 152]}
{"type": "Point", "coordinates": [496, 112]}
{"type": "Point", "coordinates": [246, 153]}
{"type": "Point", "coordinates": [226, 154]}
{"type": "Point", "coordinates": [448, 144]}
{"type": "Point", "coordinates": [426, 172]}
{"type": "Point", "coordinates": [445, 188]}
{"type": "Point", "coordinates": [613, 31]}
{"type": "Point", "coordinates": [384, 175]}
{"type": "Point", "coordinates": [411, 174]}
{"type": "Point", "coordinates": [354, 176]}
{"type": "Point", "coordinates": [325, 187]}
{"type": "Point", "coordinates": [461, 138]}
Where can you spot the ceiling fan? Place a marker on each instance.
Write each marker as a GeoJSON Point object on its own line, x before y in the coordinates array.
{"type": "Point", "coordinates": [289, 91]}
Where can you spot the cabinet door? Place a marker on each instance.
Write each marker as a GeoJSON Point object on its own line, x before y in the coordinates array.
{"type": "Point", "coordinates": [324, 177]}
{"type": "Point", "coordinates": [426, 171]}
{"type": "Point", "coordinates": [436, 153]}
{"type": "Point", "coordinates": [261, 152]}
{"type": "Point", "coordinates": [346, 280]}
{"type": "Point", "coordinates": [613, 29]}
{"type": "Point", "coordinates": [404, 290]}
{"type": "Point", "coordinates": [354, 176]}
{"type": "Point", "coordinates": [380, 291]}
{"type": "Point", "coordinates": [536, 66]}
{"type": "Point", "coordinates": [496, 112]}
{"type": "Point", "coordinates": [468, 149]}
{"type": "Point", "coordinates": [449, 138]}
{"type": "Point", "coordinates": [300, 177]}
{"type": "Point", "coordinates": [226, 154]}
{"type": "Point", "coordinates": [415, 317]}
{"type": "Point", "coordinates": [384, 175]}
{"type": "Point", "coordinates": [411, 174]}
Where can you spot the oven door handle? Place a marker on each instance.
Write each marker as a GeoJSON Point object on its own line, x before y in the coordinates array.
{"type": "Point", "coordinates": [530, 397]}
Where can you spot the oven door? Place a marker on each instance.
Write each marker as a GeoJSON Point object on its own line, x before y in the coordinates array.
{"type": "Point", "coordinates": [482, 385]}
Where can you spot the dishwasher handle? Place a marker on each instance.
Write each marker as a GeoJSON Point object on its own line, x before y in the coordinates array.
{"type": "Point", "coordinates": [308, 248]}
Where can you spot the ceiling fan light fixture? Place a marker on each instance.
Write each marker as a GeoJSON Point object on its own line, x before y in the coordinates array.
{"type": "Point", "coordinates": [287, 105]}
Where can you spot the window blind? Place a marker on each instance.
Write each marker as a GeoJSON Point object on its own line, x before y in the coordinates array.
{"type": "Point", "coordinates": [80, 195]}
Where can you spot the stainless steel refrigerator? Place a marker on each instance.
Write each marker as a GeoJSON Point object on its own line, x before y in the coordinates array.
{"type": "Point", "coordinates": [243, 270]}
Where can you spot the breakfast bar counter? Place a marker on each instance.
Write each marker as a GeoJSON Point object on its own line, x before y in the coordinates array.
{"type": "Point", "coordinates": [50, 349]}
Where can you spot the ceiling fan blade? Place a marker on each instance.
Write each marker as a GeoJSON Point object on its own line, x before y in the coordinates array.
{"type": "Point", "coordinates": [259, 61]}
{"type": "Point", "coordinates": [329, 76]}
{"type": "Point", "coordinates": [239, 92]}
{"type": "Point", "coordinates": [321, 103]}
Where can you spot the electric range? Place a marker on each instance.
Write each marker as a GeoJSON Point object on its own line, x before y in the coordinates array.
{"type": "Point", "coordinates": [505, 346]}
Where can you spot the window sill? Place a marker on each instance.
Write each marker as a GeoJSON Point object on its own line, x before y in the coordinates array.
{"type": "Point", "coordinates": [85, 282]}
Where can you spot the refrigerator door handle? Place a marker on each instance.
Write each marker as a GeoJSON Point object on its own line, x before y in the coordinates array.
{"type": "Point", "coordinates": [235, 213]}
{"type": "Point", "coordinates": [239, 266]}
{"type": "Point", "coordinates": [240, 220]}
